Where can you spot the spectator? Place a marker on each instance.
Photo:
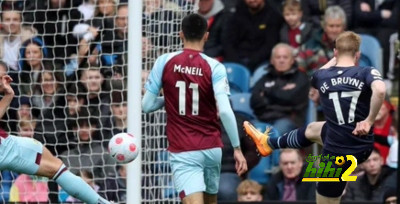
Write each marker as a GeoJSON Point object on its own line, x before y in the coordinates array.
{"type": "Point", "coordinates": [380, 19]}
{"type": "Point", "coordinates": [118, 120]}
{"type": "Point", "coordinates": [26, 128]}
{"type": "Point", "coordinates": [249, 191]}
{"type": "Point", "coordinates": [382, 128]}
{"type": "Point", "coordinates": [29, 189]}
{"type": "Point", "coordinates": [31, 62]}
{"type": "Point", "coordinates": [115, 42]}
{"type": "Point", "coordinates": [89, 153]}
{"type": "Point", "coordinates": [319, 49]}
{"type": "Point", "coordinates": [12, 35]}
{"type": "Point", "coordinates": [229, 179]}
{"type": "Point", "coordinates": [295, 32]}
{"type": "Point", "coordinates": [375, 181]}
{"type": "Point", "coordinates": [47, 90]}
{"type": "Point", "coordinates": [390, 196]}
{"type": "Point", "coordinates": [97, 101]}
{"type": "Point", "coordinates": [55, 20]}
{"type": "Point", "coordinates": [94, 29]}
{"type": "Point", "coordinates": [24, 110]}
{"type": "Point", "coordinates": [272, 96]}
{"type": "Point", "coordinates": [393, 141]}
{"type": "Point", "coordinates": [315, 10]}
{"type": "Point", "coordinates": [252, 31]}
{"type": "Point", "coordinates": [159, 31]}
{"type": "Point", "coordinates": [121, 180]}
{"type": "Point", "coordinates": [286, 185]}
{"type": "Point", "coordinates": [213, 11]}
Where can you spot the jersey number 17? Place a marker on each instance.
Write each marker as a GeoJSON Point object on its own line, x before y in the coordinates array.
{"type": "Point", "coordinates": [334, 96]}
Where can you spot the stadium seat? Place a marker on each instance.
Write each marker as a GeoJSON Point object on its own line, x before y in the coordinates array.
{"type": "Point", "coordinates": [238, 77]}
{"type": "Point", "coordinates": [241, 104]}
{"type": "Point", "coordinates": [263, 170]}
{"type": "Point", "coordinates": [371, 52]}
{"type": "Point", "coordinates": [258, 73]}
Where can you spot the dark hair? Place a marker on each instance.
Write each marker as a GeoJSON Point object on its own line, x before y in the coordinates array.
{"type": "Point", "coordinates": [194, 27]}
{"type": "Point", "coordinates": [376, 150]}
{"type": "Point", "coordinates": [118, 96]}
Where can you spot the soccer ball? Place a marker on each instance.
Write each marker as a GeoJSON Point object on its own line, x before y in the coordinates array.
{"type": "Point", "coordinates": [123, 147]}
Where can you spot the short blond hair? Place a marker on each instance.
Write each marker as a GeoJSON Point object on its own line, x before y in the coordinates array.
{"type": "Point", "coordinates": [348, 43]}
{"type": "Point", "coordinates": [247, 184]}
{"type": "Point", "coordinates": [27, 123]}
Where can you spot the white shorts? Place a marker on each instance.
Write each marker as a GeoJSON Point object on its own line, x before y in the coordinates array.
{"type": "Point", "coordinates": [20, 154]}
{"type": "Point", "coordinates": [196, 171]}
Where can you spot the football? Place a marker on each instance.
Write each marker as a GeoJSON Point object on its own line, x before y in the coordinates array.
{"type": "Point", "coordinates": [123, 147]}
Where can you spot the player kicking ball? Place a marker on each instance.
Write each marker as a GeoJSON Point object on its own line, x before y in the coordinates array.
{"type": "Point", "coordinates": [350, 97]}
{"type": "Point", "coordinates": [28, 156]}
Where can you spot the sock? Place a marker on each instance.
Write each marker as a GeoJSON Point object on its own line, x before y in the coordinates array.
{"type": "Point", "coordinates": [293, 139]}
{"type": "Point", "coordinates": [77, 187]}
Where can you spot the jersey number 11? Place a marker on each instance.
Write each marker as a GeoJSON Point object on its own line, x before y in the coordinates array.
{"type": "Point", "coordinates": [182, 97]}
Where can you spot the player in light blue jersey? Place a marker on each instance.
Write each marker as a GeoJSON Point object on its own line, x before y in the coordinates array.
{"type": "Point", "coordinates": [28, 156]}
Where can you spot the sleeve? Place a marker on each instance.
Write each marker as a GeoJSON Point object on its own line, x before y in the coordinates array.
{"type": "Point", "coordinates": [154, 81]}
{"type": "Point", "coordinates": [371, 74]}
{"type": "Point", "coordinates": [220, 80]}
{"type": "Point", "coordinates": [221, 92]}
{"type": "Point", "coordinates": [314, 79]}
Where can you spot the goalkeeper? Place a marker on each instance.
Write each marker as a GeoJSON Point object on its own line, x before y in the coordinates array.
{"type": "Point", "coordinates": [28, 156]}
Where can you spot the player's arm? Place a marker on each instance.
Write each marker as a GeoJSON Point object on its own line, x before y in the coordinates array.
{"type": "Point", "coordinates": [152, 102]}
{"type": "Point", "coordinates": [221, 92]}
{"type": "Point", "coordinates": [378, 95]}
{"type": "Point", "coordinates": [8, 94]}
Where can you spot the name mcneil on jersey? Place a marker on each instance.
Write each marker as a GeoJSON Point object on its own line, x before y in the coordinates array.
{"type": "Point", "coordinates": [342, 81]}
{"type": "Point", "coordinates": [188, 70]}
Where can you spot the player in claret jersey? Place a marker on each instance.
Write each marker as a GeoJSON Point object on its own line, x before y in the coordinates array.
{"type": "Point", "coordinates": [350, 97]}
{"type": "Point", "coordinates": [195, 90]}
{"type": "Point", "coordinates": [28, 156]}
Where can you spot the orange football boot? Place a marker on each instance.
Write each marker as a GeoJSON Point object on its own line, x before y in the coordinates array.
{"type": "Point", "coordinates": [259, 138]}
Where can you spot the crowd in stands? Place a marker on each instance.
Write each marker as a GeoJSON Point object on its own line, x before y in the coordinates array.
{"type": "Point", "coordinates": [68, 61]}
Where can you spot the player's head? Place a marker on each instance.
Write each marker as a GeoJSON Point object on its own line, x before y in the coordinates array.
{"type": "Point", "coordinates": [348, 44]}
{"type": "Point", "coordinates": [194, 28]}
{"type": "Point", "coordinates": [292, 13]}
{"type": "Point", "coordinates": [249, 191]}
{"type": "Point", "coordinates": [291, 163]}
{"type": "Point", "coordinates": [334, 22]}
{"type": "Point", "coordinates": [373, 165]}
{"type": "Point", "coordinates": [282, 57]}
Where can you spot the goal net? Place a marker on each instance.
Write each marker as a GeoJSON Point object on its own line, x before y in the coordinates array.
{"type": "Point", "coordinates": [68, 61]}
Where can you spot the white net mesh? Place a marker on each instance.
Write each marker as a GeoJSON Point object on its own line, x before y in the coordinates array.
{"type": "Point", "coordinates": [161, 25]}
{"type": "Point", "coordinates": [68, 62]}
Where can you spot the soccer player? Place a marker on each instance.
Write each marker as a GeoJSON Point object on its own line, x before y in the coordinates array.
{"type": "Point", "coordinates": [195, 89]}
{"type": "Point", "coordinates": [28, 156]}
{"type": "Point", "coordinates": [350, 97]}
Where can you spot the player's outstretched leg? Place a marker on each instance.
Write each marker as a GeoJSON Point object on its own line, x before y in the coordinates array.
{"type": "Point", "coordinates": [52, 167]}
{"type": "Point", "coordinates": [297, 138]}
